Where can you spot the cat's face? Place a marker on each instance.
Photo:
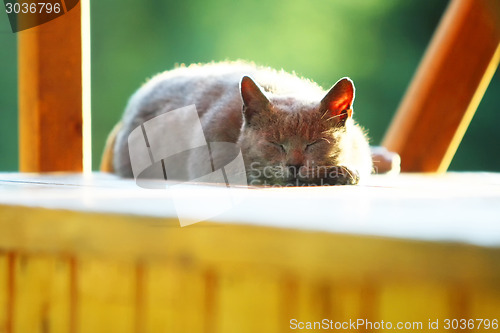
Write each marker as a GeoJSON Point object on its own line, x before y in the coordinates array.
{"type": "Point", "coordinates": [288, 142]}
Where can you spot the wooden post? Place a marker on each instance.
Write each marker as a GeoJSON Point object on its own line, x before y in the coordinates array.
{"type": "Point", "coordinates": [53, 98]}
{"type": "Point", "coordinates": [448, 86]}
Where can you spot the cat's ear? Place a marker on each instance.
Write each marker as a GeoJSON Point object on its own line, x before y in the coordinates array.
{"type": "Point", "coordinates": [337, 104]}
{"type": "Point", "coordinates": [254, 99]}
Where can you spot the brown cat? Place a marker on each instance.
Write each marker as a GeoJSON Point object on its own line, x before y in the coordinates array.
{"type": "Point", "coordinates": [289, 130]}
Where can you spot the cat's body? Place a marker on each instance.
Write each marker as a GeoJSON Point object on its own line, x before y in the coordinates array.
{"type": "Point", "coordinates": [289, 125]}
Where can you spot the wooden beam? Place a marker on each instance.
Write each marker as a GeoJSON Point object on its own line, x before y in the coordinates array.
{"type": "Point", "coordinates": [53, 98]}
{"type": "Point", "coordinates": [97, 255]}
{"type": "Point", "coordinates": [447, 87]}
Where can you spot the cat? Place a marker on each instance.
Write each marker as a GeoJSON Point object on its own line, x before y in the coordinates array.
{"type": "Point", "coordinates": [290, 131]}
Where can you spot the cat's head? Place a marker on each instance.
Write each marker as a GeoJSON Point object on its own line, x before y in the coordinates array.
{"type": "Point", "coordinates": [288, 141]}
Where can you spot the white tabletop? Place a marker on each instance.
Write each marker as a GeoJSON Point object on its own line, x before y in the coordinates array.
{"type": "Point", "coordinates": [455, 207]}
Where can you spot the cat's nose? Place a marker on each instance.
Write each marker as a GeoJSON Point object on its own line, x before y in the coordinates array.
{"type": "Point", "coordinates": [295, 159]}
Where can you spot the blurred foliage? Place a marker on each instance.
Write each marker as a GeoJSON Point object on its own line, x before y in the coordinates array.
{"type": "Point", "coordinates": [378, 43]}
{"type": "Point", "coordinates": [8, 95]}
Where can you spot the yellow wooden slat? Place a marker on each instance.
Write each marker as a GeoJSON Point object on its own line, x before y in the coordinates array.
{"type": "Point", "coordinates": [248, 300]}
{"type": "Point", "coordinates": [329, 302]}
{"type": "Point", "coordinates": [174, 298]}
{"type": "Point", "coordinates": [347, 301]}
{"type": "Point", "coordinates": [4, 291]}
{"type": "Point", "coordinates": [413, 303]}
{"type": "Point", "coordinates": [310, 301]}
{"type": "Point", "coordinates": [484, 303]}
{"type": "Point", "coordinates": [41, 291]}
{"type": "Point", "coordinates": [106, 296]}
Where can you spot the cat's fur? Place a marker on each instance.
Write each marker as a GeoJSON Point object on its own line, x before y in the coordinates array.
{"type": "Point", "coordinates": [285, 125]}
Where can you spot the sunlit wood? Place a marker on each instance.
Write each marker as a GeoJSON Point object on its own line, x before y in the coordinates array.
{"type": "Point", "coordinates": [54, 93]}
{"type": "Point", "coordinates": [448, 86]}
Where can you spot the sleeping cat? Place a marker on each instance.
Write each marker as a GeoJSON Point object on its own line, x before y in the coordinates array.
{"type": "Point", "coordinates": [289, 130]}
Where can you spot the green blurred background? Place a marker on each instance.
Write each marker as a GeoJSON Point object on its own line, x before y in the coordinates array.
{"type": "Point", "coordinates": [378, 43]}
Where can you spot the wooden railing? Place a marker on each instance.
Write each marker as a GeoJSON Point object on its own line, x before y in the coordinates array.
{"type": "Point", "coordinates": [99, 255]}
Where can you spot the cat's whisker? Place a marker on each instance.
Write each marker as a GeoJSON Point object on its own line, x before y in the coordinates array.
{"type": "Point", "coordinates": [326, 140]}
{"type": "Point", "coordinates": [353, 175]}
{"type": "Point", "coordinates": [349, 173]}
{"type": "Point", "coordinates": [333, 117]}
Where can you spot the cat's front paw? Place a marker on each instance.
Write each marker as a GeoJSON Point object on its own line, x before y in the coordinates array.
{"type": "Point", "coordinates": [328, 175]}
{"type": "Point", "coordinates": [385, 161]}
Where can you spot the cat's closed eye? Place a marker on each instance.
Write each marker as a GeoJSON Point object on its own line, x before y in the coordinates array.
{"type": "Point", "coordinates": [278, 146]}
{"type": "Point", "coordinates": [312, 144]}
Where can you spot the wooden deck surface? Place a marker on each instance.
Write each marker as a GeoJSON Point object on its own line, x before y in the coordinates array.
{"type": "Point", "coordinates": [99, 254]}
